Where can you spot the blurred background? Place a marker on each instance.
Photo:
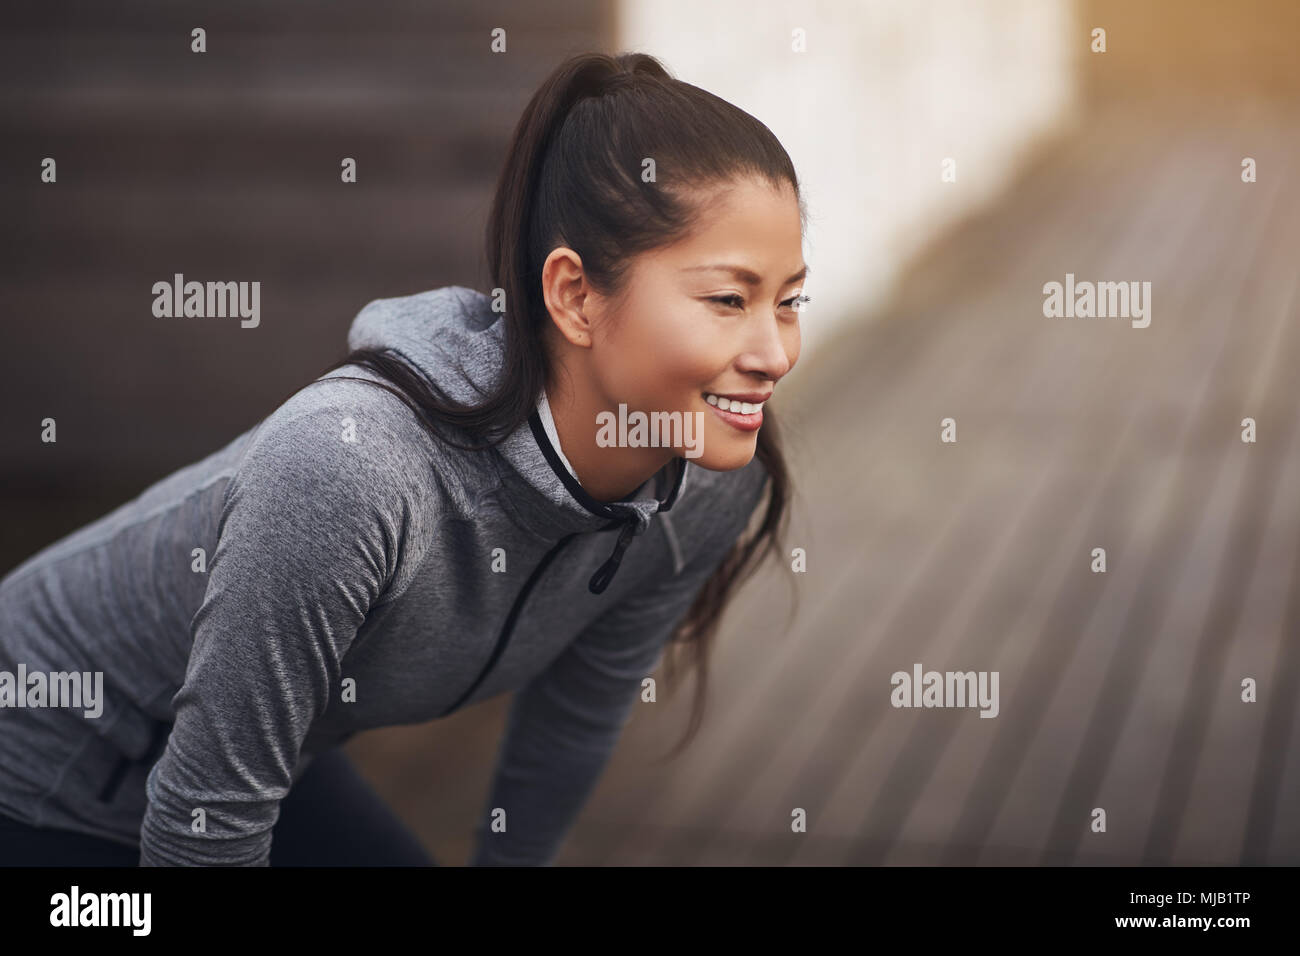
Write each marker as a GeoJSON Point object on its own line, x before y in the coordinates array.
{"type": "Point", "coordinates": [1120, 690]}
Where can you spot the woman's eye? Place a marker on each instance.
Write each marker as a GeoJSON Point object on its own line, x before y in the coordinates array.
{"type": "Point", "coordinates": [735, 301]}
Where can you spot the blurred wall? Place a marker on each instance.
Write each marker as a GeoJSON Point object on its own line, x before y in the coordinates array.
{"type": "Point", "coordinates": [1211, 51]}
{"type": "Point", "coordinates": [225, 166]}
{"type": "Point", "coordinates": [882, 93]}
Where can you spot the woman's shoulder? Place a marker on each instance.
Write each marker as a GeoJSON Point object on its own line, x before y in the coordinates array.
{"type": "Point", "coordinates": [346, 437]}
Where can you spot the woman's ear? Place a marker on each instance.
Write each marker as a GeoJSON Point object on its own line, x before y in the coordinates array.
{"type": "Point", "coordinates": [568, 296]}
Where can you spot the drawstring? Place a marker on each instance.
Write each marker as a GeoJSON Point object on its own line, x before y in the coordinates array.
{"type": "Point", "coordinates": [605, 573]}
{"type": "Point", "coordinates": [633, 524]}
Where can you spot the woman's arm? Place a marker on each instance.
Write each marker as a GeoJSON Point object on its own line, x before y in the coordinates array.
{"type": "Point", "coordinates": [564, 725]}
{"type": "Point", "coordinates": [308, 541]}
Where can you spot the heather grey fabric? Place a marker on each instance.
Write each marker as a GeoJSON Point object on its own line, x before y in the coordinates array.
{"type": "Point", "coordinates": [297, 587]}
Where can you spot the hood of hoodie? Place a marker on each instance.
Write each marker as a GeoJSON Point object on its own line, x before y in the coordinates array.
{"type": "Point", "coordinates": [455, 339]}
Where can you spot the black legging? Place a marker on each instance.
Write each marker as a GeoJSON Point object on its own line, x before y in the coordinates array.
{"type": "Point", "coordinates": [331, 817]}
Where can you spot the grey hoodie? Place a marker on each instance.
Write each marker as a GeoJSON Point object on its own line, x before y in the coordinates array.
{"type": "Point", "coordinates": [335, 569]}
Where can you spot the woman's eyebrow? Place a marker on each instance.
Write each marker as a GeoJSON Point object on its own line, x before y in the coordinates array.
{"type": "Point", "coordinates": [747, 276]}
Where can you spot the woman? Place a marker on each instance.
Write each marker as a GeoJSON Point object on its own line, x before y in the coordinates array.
{"type": "Point", "coordinates": [446, 514]}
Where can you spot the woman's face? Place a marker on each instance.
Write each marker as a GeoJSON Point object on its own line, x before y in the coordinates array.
{"type": "Point", "coordinates": [716, 314]}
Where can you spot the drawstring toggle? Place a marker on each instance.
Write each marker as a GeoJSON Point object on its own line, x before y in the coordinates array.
{"type": "Point", "coordinates": [605, 573]}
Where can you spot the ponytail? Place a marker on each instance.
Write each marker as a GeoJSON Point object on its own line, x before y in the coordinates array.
{"type": "Point", "coordinates": [571, 178]}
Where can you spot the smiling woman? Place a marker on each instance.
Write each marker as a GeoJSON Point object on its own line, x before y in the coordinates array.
{"type": "Point", "coordinates": [680, 328]}
{"type": "Point", "coordinates": [428, 524]}
{"type": "Point", "coordinates": [615, 291]}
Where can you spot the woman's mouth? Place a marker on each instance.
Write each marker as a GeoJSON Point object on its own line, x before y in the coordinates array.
{"type": "Point", "coordinates": [745, 416]}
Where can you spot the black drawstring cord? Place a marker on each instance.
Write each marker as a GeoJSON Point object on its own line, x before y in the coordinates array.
{"type": "Point", "coordinates": [605, 573]}
{"type": "Point", "coordinates": [633, 523]}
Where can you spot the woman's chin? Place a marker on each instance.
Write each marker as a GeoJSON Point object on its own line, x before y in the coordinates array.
{"type": "Point", "coordinates": [737, 455]}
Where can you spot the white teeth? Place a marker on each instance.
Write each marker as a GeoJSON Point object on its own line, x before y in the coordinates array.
{"type": "Point", "coordinates": [732, 405]}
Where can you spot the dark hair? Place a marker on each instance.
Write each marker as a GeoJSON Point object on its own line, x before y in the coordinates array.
{"type": "Point", "coordinates": [572, 177]}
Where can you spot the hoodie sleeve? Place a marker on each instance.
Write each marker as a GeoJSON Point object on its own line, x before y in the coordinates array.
{"type": "Point", "coordinates": [307, 542]}
{"type": "Point", "coordinates": [563, 726]}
